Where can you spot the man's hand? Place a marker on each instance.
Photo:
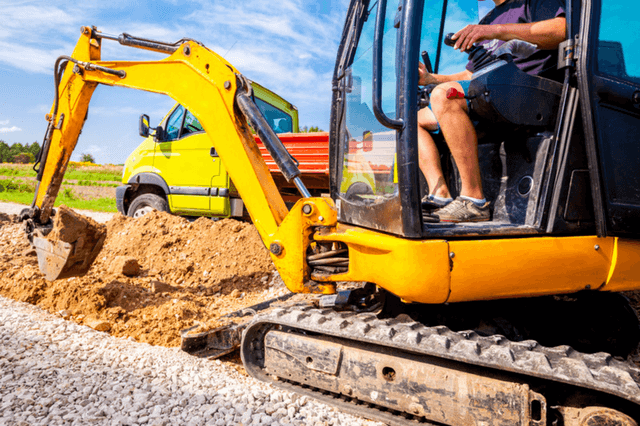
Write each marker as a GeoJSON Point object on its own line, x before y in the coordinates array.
{"type": "Point", "coordinates": [466, 37]}
{"type": "Point", "coordinates": [425, 77]}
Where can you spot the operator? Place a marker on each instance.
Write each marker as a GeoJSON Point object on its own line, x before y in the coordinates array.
{"type": "Point", "coordinates": [540, 22]}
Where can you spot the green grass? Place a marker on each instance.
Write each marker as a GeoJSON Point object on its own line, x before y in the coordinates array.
{"type": "Point", "coordinates": [22, 192]}
{"type": "Point", "coordinates": [86, 174]}
{"type": "Point", "coordinates": [91, 183]}
{"type": "Point", "coordinates": [13, 185]}
{"type": "Point", "coordinates": [98, 205]}
{"type": "Point", "coordinates": [93, 176]}
{"type": "Point", "coordinates": [15, 171]}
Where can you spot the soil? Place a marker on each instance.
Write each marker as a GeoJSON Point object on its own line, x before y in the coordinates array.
{"type": "Point", "coordinates": [179, 274]}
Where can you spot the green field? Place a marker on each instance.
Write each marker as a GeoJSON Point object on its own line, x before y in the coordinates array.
{"type": "Point", "coordinates": [87, 187]}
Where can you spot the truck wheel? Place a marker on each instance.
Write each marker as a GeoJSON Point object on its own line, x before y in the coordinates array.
{"type": "Point", "coordinates": [146, 203]}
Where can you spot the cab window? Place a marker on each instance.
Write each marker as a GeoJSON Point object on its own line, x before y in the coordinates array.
{"type": "Point", "coordinates": [618, 41]}
{"type": "Point", "coordinates": [278, 120]}
{"type": "Point", "coordinates": [457, 14]}
{"type": "Point", "coordinates": [191, 125]}
{"type": "Point", "coordinates": [174, 124]}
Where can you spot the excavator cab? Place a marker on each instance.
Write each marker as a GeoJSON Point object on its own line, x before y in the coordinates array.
{"type": "Point", "coordinates": [557, 152]}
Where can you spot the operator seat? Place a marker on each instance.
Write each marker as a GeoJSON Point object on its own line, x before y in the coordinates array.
{"type": "Point", "coordinates": [514, 114]}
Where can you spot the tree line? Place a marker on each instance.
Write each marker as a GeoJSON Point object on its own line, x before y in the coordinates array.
{"type": "Point", "coordinates": [27, 153]}
{"type": "Point", "coordinates": [18, 153]}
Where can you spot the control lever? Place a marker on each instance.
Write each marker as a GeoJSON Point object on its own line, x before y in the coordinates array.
{"type": "Point", "coordinates": [427, 61]}
{"type": "Point", "coordinates": [449, 41]}
{"type": "Point", "coordinates": [478, 55]}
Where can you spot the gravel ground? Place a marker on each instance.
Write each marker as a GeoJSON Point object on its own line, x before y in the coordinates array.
{"type": "Point", "coordinates": [57, 372]}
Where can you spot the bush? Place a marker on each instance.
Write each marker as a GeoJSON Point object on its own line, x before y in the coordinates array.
{"type": "Point", "coordinates": [87, 158]}
{"type": "Point", "coordinates": [24, 158]}
{"type": "Point", "coordinates": [14, 185]}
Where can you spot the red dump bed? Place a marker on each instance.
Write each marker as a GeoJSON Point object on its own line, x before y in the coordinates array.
{"type": "Point", "coordinates": [312, 152]}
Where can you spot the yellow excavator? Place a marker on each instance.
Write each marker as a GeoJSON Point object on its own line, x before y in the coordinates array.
{"type": "Point", "coordinates": [515, 321]}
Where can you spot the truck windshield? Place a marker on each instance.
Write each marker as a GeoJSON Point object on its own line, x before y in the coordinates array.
{"type": "Point", "coordinates": [278, 120]}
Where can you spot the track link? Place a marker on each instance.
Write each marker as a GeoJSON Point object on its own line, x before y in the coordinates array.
{"type": "Point", "coordinates": [598, 372]}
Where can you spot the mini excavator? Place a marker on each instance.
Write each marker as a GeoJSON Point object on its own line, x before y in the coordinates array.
{"type": "Point", "coordinates": [515, 321]}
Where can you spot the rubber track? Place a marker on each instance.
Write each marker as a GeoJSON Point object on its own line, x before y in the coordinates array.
{"type": "Point", "coordinates": [599, 371]}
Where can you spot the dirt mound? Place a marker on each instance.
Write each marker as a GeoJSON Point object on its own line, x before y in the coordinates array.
{"type": "Point", "coordinates": [183, 273]}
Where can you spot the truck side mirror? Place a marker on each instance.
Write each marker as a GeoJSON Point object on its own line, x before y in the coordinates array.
{"type": "Point", "coordinates": [144, 126]}
{"type": "Point", "coordinates": [367, 141]}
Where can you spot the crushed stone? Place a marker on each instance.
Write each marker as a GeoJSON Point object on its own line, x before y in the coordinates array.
{"type": "Point", "coordinates": [56, 372]}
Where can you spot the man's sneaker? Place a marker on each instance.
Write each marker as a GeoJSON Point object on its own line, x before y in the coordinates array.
{"type": "Point", "coordinates": [431, 202]}
{"type": "Point", "coordinates": [461, 210]}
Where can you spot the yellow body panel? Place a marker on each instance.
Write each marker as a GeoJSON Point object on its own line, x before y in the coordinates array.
{"type": "Point", "coordinates": [219, 205]}
{"type": "Point", "coordinates": [140, 160]}
{"type": "Point", "coordinates": [625, 269]}
{"type": "Point", "coordinates": [523, 267]}
{"type": "Point", "coordinates": [183, 203]}
{"type": "Point", "coordinates": [416, 271]}
{"type": "Point", "coordinates": [438, 271]}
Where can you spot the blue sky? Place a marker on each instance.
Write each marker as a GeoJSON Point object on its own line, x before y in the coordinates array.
{"type": "Point", "coordinates": [288, 46]}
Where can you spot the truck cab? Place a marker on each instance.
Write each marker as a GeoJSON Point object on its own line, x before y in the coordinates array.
{"type": "Point", "coordinates": [175, 169]}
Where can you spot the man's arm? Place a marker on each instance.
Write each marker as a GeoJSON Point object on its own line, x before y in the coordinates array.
{"type": "Point", "coordinates": [546, 35]}
{"type": "Point", "coordinates": [426, 78]}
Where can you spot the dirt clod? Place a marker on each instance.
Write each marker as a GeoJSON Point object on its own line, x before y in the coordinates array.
{"type": "Point", "coordinates": [99, 325]}
{"type": "Point", "coordinates": [160, 287]}
{"type": "Point", "coordinates": [125, 265]}
{"type": "Point", "coordinates": [188, 273]}
{"type": "Point", "coordinates": [70, 227]}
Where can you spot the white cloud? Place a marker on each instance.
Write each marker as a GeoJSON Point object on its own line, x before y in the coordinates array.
{"type": "Point", "coordinates": [288, 46]}
{"type": "Point", "coordinates": [10, 129]}
{"type": "Point", "coordinates": [32, 59]}
{"type": "Point", "coordinates": [94, 149]}
{"type": "Point", "coordinates": [4, 122]}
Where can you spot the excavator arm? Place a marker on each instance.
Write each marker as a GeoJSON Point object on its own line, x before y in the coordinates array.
{"type": "Point", "coordinates": [221, 99]}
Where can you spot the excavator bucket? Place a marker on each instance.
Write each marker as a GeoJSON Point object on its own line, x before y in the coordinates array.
{"type": "Point", "coordinates": [71, 246]}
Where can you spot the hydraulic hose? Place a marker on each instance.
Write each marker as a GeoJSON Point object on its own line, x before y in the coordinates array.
{"type": "Point", "coordinates": [277, 150]}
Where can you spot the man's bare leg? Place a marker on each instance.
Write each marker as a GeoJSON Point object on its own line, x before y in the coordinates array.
{"type": "Point", "coordinates": [428, 155]}
{"type": "Point", "coordinates": [458, 131]}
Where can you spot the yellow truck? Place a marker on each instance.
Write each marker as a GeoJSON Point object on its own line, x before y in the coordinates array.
{"type": "Point", "coordinates": [176, 169]}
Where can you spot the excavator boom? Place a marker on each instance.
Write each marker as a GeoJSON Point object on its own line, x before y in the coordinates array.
{"type": "Point", "coordinates": [204, 83]}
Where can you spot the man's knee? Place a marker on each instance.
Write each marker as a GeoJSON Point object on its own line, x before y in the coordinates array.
{"type": "Point", "coordinates": [441, 104]}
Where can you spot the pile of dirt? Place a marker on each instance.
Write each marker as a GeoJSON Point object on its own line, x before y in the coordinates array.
{"type": "Point", "coordinates": [155, 276]}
